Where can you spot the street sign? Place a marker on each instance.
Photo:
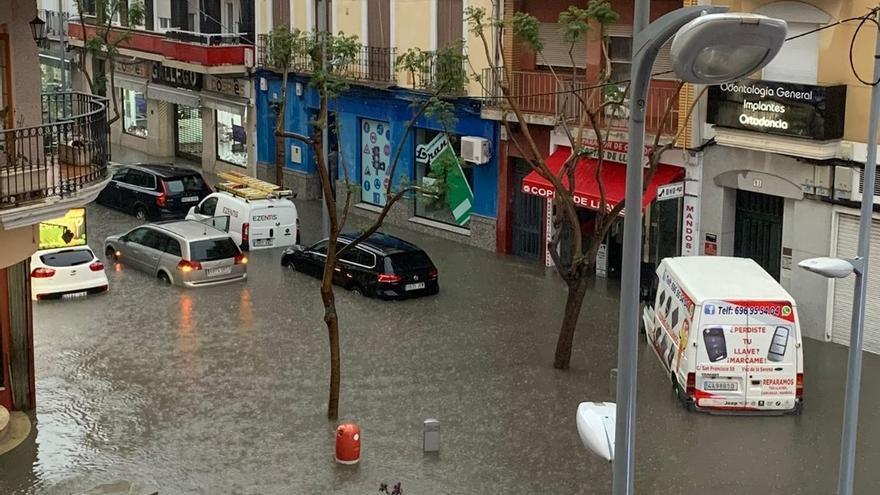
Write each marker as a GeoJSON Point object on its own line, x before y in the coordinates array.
{"type": "Point", "coordinates": [670, 191]}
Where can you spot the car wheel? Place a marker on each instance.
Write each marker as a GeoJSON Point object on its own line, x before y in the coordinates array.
{"type": "Point", "coordinates": [163, 277]}
{"type": "Point", "coordinates": [358, 291]}
{"type": "Point", "coordinates": [111, 255]}
{"type": "Point", "coordinates": [141, 213]}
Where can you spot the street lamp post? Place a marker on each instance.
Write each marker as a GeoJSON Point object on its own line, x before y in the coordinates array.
{"type": "Point", "coordinates": [837, 268]}
{"type": "Point", "coordinates": [710, 47]}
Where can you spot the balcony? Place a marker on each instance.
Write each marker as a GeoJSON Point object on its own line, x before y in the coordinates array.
{"type": "Point", "coordinates": [46, 169]}
{"type": "Point", "coordinates": [372, 65]}
{"type": "Point", "coordinates": [198, 52]}
{"type": "Point", "coordinates": [539, 93]}
{"type": "Point", "coordinates": [56, 23]}
{"type": "Point", "coordinates": [435, 69]}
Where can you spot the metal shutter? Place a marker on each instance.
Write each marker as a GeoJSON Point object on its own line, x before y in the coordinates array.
{"type": "Point", "coordinates": [556, 49]}
{"type": "Point", "coordinates": [847, 239]}
{"type": "Point", "coordinates": [664, 58]}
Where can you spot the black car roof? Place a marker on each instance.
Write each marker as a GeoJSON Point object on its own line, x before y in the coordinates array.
{"type": "Point", "coordinates": [381, 242]}
{"type": "Point", "coordinates": [165, 170]}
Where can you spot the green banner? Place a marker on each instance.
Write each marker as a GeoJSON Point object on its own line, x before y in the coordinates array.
{"type": "Point", "coordinates": [459, 196]}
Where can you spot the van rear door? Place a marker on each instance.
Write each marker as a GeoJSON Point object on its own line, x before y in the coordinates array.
{"type": "Point", "coordinates": [772, 371]}
{"type": "Point", "coordinates": [273, 224]}
{"type": "Point", "coordinates": [719, 383]}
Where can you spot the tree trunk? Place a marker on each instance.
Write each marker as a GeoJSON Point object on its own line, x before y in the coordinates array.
{"type": "Point", "coordinates": [279, 161]}
{"type": "Point", "coordinates": [279, 127]}
{"type": "Point", "coordinates": [577, 290]}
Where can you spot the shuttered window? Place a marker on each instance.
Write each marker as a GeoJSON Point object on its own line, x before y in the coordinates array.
{"type": "Point", "coordinates": [841, 311]}
{"type": "Point", "coordinates": [449, 22]}
{"type": "Point", "coordinates": [280, 13]}
{"type": "Point", "coordinates": [555, 52]}
{"type": "Point", "coordinates": [620, 41]}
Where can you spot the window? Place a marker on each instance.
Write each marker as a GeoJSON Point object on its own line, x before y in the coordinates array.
{"type": "Point", "coordinates": [213, 249]}
{"type": "Point", "coordinates": [280, 13]}
{"type": "Point", "coordinates": [375, 159]}
{"type": "Point", "coordinates": [208, 207]}
{"type": "Point", "coordinates": [189, 183]}
{"type": "Point", "coordinates": [408, 261]}
{"type": "Point", "coordinates": [164, 23]}
{"type": "Point", "coordinates": [69, 257]}
{"type": "Point", "coordinates": [173, 247]}
{"type": "Point", "coordinates": [449, 23]}
{"type": "Point", "coordinates": [319, 248]}
{"type": "Point", "coordinates": [140, 179]}
{"type": "Point", "coordinates": [431, 170]}
{"type": "Point", "coordinates": [231, 138]}
{"type": "Point", "coordinates": [134, 117]}
{"type": "Point", "coordinates": [137, 236]}
{"type": "Point", "coordinates": [556, 49]}
{"type": "Point", "coordinates": [620, 56]}
{"type": "Point", "coordinates": [120, 176]}
{"type": "Point", "coordinates": [155, 240]}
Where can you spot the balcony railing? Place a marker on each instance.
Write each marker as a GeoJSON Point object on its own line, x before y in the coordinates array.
{"type": "Point", "coordinates": [437, 70]}
{"type": "Point", "coordinates": [542, 94]}
{"type": "Point", "coordinates": [372, 64]}
{"type": "Point", "coordinates": [210, 39]}
{"type": "Point", "coordinates": [66, 153]}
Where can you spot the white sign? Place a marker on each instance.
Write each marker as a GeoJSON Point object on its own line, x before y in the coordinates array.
{"type": "Point", "coordinates": [602, 260]}
{"type": "Point", "coordinates": [670, 191]}
{"type": "Point", "coordinates": [690, 235]}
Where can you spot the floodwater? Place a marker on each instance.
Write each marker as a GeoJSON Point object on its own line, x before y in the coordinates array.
{"type": "Point", "coordinates": [222, 390]}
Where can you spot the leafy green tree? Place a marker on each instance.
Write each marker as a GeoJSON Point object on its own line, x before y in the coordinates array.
{"type": "Point", "coordinates": [113, 20]}
{"type": "Point", "coordinates": [296, 51]}
{"type": "Point", "coordinates": [572, 248]}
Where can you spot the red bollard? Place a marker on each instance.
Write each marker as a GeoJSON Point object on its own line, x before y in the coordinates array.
{"type": "Point", "coordinates": [348, 443]}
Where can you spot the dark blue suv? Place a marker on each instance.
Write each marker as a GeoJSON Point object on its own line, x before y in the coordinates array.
{"type": "Point", "coordinates": [154, 192]}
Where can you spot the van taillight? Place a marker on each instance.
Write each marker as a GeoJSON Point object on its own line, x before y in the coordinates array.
{"type": "Point", "coordinates": [245, 233]}
{"type": "Point", "coordinates": [297, 230]}
{"type": "Point", "coordinates": [799, 386]}
{"type": "Point", "coordinates": [691, 388]}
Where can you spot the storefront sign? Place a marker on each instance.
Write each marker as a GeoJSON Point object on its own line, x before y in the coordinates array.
{"type": "Point", "coordinates": [375, 158]}
{"type": "Point", "coordinates": [670, 191]}
{"type": "Point", "coordinates": [799, 110]}
{"type": "Point", "coordinates": [602, 260]}
{"type": "Point", "coordinates": [614, 151]}
{"type": "Point", "coordinates": [179, 78]}
{"type": "Point", "coordinates": [226, 86]}
{"type": "Point", "coordinates": [139, 69]}
{"type": "Point", "coordinates": [66, 231]}
{"type": "Point", "coordinates": [689, 231]}
{"type": "Point", "coordinates": [710, 246]}
{"type": "Point", "coordinates": [459, 196]}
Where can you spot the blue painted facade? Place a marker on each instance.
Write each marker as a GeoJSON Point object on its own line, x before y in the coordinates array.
{"type": "Point", "coordinates": [391, 106]}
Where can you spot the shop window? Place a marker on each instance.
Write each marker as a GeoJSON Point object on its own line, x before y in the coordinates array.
{"type": "Point", "coordinates": [375, 160]}
{"type": "Point", "coordinates": [134, 119]}
{"type": "Point", "coordinates": [457, 177]}
{"type": "Point", "coordinates": [231, 138]}
{"type": "Point", "coordinates": [620, 56]}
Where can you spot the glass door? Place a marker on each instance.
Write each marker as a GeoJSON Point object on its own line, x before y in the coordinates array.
{"type": "Point", "coordinates": [188, 132]}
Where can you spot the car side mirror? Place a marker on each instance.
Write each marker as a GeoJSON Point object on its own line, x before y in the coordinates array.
{"type": "Point", "coordinates": [196, 209]}
{"type": "Point", "coordinates": [123, 238]}
{"type": "Point", "coordinates": [299, 247]}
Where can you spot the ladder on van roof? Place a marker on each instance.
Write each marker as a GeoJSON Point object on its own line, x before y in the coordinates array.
{"type": "Point", "coordinates": [243, 186]}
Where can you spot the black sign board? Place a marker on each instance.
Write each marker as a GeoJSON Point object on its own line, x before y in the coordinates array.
{"type": "Point", "coordinates": [787, 109]}
{"type": "Point", "coordinates": [179, 78]}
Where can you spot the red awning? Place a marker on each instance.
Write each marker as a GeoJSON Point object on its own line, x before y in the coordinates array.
{"type": "Point", "coordinates": [586, 190]}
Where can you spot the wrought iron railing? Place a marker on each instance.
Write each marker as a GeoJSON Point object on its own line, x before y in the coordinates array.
{"type": "Point", "coordinates": [210, 39]}
{"type": "Point", "coordinates": [66, 153]}
{"type": "Point", "coordinates": [543, 94]}
{"type": "Point", "coordinates": [439, 71]}
{"type": "Point", "coordinates": [371, 64]}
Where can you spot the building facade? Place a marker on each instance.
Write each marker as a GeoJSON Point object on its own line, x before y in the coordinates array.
{"type": "Point", "coordinates": [53, 156]}
{"type": "Point", "coordinates": [783, 164]}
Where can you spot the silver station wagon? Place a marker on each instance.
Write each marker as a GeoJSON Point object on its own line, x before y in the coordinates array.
{"type": "Point", "coordinates": [186, 253]}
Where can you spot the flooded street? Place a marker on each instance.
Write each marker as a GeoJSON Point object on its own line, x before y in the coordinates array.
{"type": "Point", "coordinates": [222, 390]}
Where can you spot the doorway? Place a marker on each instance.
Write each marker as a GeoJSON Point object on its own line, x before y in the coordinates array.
{"type": "Point", "coordinates": [527, 217]}
{"type": "Point", "coordinates": [758, 229]}
{"type": "Point", "coordinates": [188, 132]}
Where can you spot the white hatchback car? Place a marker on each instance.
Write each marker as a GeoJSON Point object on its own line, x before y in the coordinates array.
{"type": "Point", "coordinates": [66, 272]}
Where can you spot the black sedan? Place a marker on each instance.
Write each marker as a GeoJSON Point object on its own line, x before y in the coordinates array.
{"type": "Point", "coordinates": [154, 192]}
{"type": "Point", "coordinates": [383, 266]}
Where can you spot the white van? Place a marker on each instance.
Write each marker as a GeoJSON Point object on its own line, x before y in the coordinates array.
{"type": "Point", "coordinates": [268, 222]}
{"type": "Point", "coordinates": [728, 335]}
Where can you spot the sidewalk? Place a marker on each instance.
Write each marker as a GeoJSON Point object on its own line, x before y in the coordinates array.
{"type": "Point", "coordinates": [127, 156]}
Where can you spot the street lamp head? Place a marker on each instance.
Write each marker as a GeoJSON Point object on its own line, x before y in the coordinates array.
{"type": "Point", "coordinates": [828, 267]}
{"type": "Point", "coordinates": [596, 427]}
{"type": "Point", "coordinates": [719, 48]}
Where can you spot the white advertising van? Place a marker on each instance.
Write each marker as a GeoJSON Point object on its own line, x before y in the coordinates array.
{"type": "Point", "coordinates": [728, 335]}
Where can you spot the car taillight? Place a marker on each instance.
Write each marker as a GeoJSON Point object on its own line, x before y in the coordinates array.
{"type": "Point", "coordinates": [388, 278]}
{"type": "Point", "coordinates": [297, 230]}
{"type": "Point", "coordinates": [187, 266]}
{"type": "Point", "coordinates": [691, 388]}
{"type": "Point", "coordinates": [245, 233]}
{"type": "Point", "coordinates": [42, 272]}
{"type": "Point", "coordinates": [241, 259]}
{"type": "Point", "coordinates": [162, 199]}
{"type": "Point", "coordinates": [799, 386]}
{"type": "Point", "coordinates": [432, 275]}
{"type": "Point", "coordinates": [97, 266]}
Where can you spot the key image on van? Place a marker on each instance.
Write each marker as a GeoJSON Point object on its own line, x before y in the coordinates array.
{"type": "Point", "coordinates": [747, 356]}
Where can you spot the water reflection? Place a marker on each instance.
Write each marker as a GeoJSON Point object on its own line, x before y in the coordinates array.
{"type": "Point", "coordinates": [189, 363]}
{"type": "Point", "coordinates": [245, 310]}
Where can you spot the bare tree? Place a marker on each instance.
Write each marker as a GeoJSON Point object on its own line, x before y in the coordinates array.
{"type": "Point", "coordinates": [112, 22]}
{"type": "Point", "coordinates": [287, 50]}
{"type": "Point", "coordinates": [572, 249]}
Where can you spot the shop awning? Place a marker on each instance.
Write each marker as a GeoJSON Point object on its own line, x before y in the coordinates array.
{"type": "Point", "coordinates": [231, 104]}
{"type": "Point", "coordinates": [173, 95]}
{"type": "Point", "coordinates": [586, 189]}
{"type": "Point", "coordinates": [132, 83]}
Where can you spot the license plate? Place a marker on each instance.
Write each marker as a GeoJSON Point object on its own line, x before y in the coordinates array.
{"type": "Point", "coordinates": [223, 270]}
{"type": "Point", "coordinates": [420, 285]}
{"type": "Point", "coordinates": [262, 242]}
{"type": "Point", "coordinates": [720, 386]}
{"type": "Point", "coordinates": [75, 295]}
{"type": "Point", "coordinates": [190, 199]}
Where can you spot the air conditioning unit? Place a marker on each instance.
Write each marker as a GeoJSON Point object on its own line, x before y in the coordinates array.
{"type": "Point", "coordinates": [858, 182]}
{"type": "Point", "coordinates": [475, 150]}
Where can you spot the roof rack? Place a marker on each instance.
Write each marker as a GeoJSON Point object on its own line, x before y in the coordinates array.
{"type": "Point", "coordinates": [243, 186]}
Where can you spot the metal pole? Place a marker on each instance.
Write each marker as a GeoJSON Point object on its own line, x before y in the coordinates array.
{"type": "Point", "coordinates": [62, 14]}
{"type": "Point", "coordinates": [325, 134]}
{"type": "Point", "coordinates": [854, 365]}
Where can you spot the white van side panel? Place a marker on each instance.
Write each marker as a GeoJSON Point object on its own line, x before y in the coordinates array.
{"type": "Point", "coordinates": [236, 210]}
{"type": "Point", "coordinates": [673, 314]}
